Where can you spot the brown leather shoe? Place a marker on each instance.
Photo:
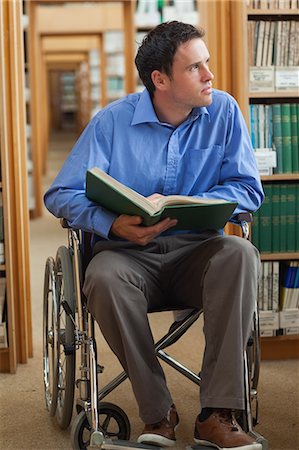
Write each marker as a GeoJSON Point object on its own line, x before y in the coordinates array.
{"type": "Point", "coordinates": [222, 431]}
{"type": "Point", "coordinates": [161, 433]}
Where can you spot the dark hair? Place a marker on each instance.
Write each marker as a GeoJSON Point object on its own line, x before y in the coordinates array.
{"type": "Point", "coordinates": [159, 46]}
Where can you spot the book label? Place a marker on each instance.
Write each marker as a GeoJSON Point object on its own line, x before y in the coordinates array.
{"type": "Point", "coordinates": [287, 78]}
{"type": "Point", "coordinates": [261, 79]}
{"type": "Point", "coordinates": [289, 318]}
{"type": "Point", "coordinates": [266, 160]}
{"type": "Point", "coordinates": [269, 320]}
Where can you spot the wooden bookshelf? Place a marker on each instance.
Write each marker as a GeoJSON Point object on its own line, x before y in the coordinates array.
{"type": "Point", "coordinates": [285, 346]}
{"type": "Point", "coordinates": [14, 188]}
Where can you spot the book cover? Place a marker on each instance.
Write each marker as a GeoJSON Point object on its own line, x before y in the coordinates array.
{"type": "Point", "coordinates": [286, 138]}
{"type": "Point", "coordinates": [275, 217]}
{"type": "Point", "coordinates": [196, 214]}
{"type": "Point", "coordinates": [277, 136]}
{"type": "Point", "coordinates": [265, 229]}
{"type": "Point", "coordinates": [294, 138]}
{"type": "Point", "coordinates": [291, 217]}
{"type": "Point", "coordinates": [283, 218]}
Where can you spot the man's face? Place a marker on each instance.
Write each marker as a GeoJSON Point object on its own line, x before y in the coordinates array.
{"type": "Point", "coordinates": [190, 84]}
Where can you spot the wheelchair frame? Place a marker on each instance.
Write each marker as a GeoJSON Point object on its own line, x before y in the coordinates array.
{"type": "Point", "coordinates": [68, 327]}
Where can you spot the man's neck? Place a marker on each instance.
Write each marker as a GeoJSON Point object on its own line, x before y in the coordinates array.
{"type": "Point", "coordinates": [167, 113]}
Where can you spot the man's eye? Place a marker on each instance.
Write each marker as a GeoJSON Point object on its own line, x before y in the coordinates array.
{"type": "Point", "coordinates": [195, 67]}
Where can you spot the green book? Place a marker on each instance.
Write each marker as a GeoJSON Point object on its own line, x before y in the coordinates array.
{"type": "Point", "coordinates": [286, 137]}
{"type": "Point", "coordinates": [275, 217]}
{"type": "Point", "coordinates": [297, 217]}
{"type": "Point", "coordinates": [265, 228]}
{"type": "Point", "coordinates": [291, 217]}
{"type": "Point", "coordinates": [277, 136]}
{"type": "Point", "coordinates": [192, 213]}
{"type": "Point", "coordinates": [294, 138]}
{"type": "Point", "coordinates": [283, 218]}
{"type": "Point", "coordinates": [255, 229]}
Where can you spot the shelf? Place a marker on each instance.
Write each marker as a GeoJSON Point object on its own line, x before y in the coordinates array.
{"type": "Point", "coordinates": [276, 94]}
{"type": "Point", "coordinates": [272, 12]}
{"type": "Point", "coordinates": [2, 267]}
{"type": "Point", "coordinates": [281, 177]}
{"type": "Point", "coordinates": [280, 347]}
{"type": "Point", "coordinates": [279, 256]}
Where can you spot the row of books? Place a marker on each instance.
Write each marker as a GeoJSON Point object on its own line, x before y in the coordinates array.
{"type": "Point", "coordinates": [3, 329]}
{"type": "Point", "coordinates": [273, 4]}
{"type": "Point", "coordinates": [278, 286]}
{"type": "Point", "coordinates": [273, 43]}
{"type": "Point", "coordinates": [278, 298]}
{"type": "Point", "coordinates": [275, 226]}
{"type": "Point", "coordinates": [150, 13]}
{"type": "Point", "coordinates": [277, 126]}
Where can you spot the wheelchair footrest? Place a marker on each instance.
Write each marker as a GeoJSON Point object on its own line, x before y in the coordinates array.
{"type": "Point", "coordinates": [126, 445]}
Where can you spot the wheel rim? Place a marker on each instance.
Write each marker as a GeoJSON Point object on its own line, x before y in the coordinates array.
{"type": "Point", "coordinates": [50, 337]}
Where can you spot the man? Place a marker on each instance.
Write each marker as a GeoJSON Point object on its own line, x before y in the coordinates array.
{"type": "Point", "coordinates": [176, 137]}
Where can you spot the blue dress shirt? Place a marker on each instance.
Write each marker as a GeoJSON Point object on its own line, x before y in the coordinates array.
{"type": "Point", "coordinates": [208, 155]}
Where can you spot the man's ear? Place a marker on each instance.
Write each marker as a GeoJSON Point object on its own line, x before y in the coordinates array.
{"type": "Point", "coordinates": [159, 79]}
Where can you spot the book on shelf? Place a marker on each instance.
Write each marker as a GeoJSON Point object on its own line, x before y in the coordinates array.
{"type": "Point", "coordinates": [275, 226]}
{"type": "Point", "coordinates": [191, 212]}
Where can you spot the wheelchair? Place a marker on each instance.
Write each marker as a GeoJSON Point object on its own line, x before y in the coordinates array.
{"type": "Point", "coordinates": [69, 329]}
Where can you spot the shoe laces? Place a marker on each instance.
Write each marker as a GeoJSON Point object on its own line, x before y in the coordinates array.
{"type": "Point", "coordinates": [227, 417]}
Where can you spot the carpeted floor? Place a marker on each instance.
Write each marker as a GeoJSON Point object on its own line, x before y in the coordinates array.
{"type": "Point", "coordinates": [24, 421]}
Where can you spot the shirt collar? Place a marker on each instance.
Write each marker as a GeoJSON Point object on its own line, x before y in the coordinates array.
{"type": "Point", "coordinates": [144, 111]}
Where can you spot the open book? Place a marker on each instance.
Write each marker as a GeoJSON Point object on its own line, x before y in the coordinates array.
{"type": "Point", "coordinates": [192, 213]}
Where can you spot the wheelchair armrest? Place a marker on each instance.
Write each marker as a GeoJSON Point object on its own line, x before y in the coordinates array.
{"type": "Point", "coordinates": [64, 223]}
{"type": "Point", "coordinates": [243, 219]}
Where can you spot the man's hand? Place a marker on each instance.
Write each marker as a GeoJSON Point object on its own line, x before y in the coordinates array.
{"type": "Point", "coordinates": [129, 227]}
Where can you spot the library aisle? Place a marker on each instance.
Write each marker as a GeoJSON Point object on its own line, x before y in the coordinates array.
{"type": "Point", "coordinates": [25, 423]}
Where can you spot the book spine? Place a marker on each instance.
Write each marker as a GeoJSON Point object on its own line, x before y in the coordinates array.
{"type": "Point", "coordinates": [276, 217]}
{"type": "Point", "coordinates": [290, 217]}
{"type": "Point", "coordinates": [286, 138]}
{"type": "Point", "coordinates": [283, 218]}
{"type": "Point", "coordinates": [294, 138]}
{"type": "Point", "coordinates": [277, 136]}
{"type": "Point", "coordinates": [265, 230]}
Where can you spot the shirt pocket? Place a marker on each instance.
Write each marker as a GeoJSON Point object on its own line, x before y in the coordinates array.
{"type": "Point", "coordinates": [204, 166]}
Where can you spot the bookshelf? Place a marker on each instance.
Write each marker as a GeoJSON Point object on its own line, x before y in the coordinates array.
{"type": "Point", "coordinates": [15, 267]}
{"type": "Point", "coordinates": [273, 55]}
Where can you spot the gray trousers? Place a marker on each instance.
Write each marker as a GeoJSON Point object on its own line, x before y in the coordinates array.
{"type": "Point", "coordinates": [217, 273]}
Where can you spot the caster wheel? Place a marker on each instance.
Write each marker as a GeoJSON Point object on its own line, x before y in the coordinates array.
{"type": "Point", "coordinates": [113, 423]}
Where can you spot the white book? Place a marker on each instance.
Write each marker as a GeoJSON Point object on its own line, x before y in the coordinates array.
{"type": "Point", "coordinates": [260, 41]}
{"type": "Point", "coordinates": [270, 44]}
{"type": "Point", "coordinates": [275, 286]}
{"type": "Point", "coordinates": [277, 43]}
{"type": "Point", "coordinates": [266, 43]}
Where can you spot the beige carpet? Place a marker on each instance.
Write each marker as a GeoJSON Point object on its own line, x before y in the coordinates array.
{"type": "Point", "coordinates": [24, 422]}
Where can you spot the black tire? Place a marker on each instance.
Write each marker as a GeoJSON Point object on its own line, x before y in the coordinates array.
{"type": "Point", "coordinates": [50, 337]}
{"type": "Point", "coordinates": [66, 337]}
{"type": "Point", "coordinates": [253, 371]}
{"type": "Point", "coordinates": [113, 422]}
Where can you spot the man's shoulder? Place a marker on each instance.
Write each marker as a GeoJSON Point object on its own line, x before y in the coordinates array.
{"type": "Point", "coordinates": [222, 97]}
{"type": "Point", "coordinates": [122, 105]}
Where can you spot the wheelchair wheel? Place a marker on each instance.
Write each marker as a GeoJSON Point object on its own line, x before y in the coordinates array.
{"type": "Point", "coordinates": [66, 337]}
{"type": "Point", "coordinates": [50, 340]}
{"type": "Point", "coordinates": [252, 367]}
{"type": "Point", "coordinates": [113, 422]}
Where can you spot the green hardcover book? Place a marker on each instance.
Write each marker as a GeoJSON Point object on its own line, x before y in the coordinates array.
{"type": "Point", "coordinates": [255, 229]}
{"type": "Point", "coordinates": [294, 138]}
{"type": "Point", "coordinates": [275, 217]}
{"type": "Point", "coordinates": [192, 213]}
{"type": "Point", "coordinates": [297, 217]}
{"type": "Point", "coordinates": [265, 222]}
{"type": "Point", "coordinates": [277, 136]}
{"type": "Point", "coordinates": [283, 218]}
{"type": "Point", "coordinates": [291, 217]}
{"type": "Point", "coordinates": [286, 137]}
